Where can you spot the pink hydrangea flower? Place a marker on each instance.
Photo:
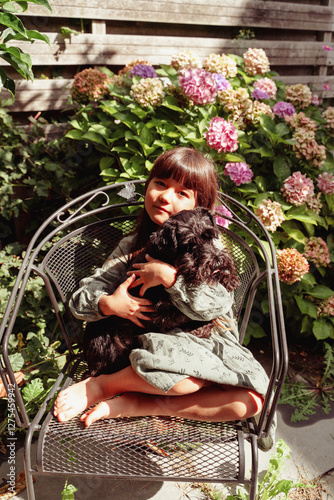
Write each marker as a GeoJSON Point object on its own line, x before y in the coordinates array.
{"type": "Point", "coordinates": [326, 307]}
{"type": "Point", "coordinates": [298, 188]}
{"type": "Point", "coordinates": [221, 221]}
{"type": "Point", "coordinates": [327, 47]}
{"type": "Point", "coordinates": [299, 95]}
{"type": "Point", "coordinates": [270, 213]}
{"type": "Point", "coordinates": [239, 172]}
{"type": "Point", "coordinates": [328, 114]}
{"type": "Point", "coordinates": [316, 250]}
{"type": "Point", "coordinates": [221, 135]}
{"type": "Point", "coordinates": [89, 85]}
{"type": "Point", "coordinates": [316, 100]}
{"type": "Point", "coordinates": [292, 265]}
{"type": "Point", "coordinates": [268, 85]}
{"type": "Point", "coordinates": [283, 109]}
{"type": "Point", "coordinates": [148, 92]}
{"type": "Point", "coordinates": [256, 62]}
{"type": "Point", "coordinates": [326, 183]}
{"type": "Point", "coordinates": [185, 59]}
{"type": "Point", "coordinates": [199, 85]}
{"type": "Point", "coordinates": [300, 120]}
{"type": "Point", "coordinates": [307, 147]}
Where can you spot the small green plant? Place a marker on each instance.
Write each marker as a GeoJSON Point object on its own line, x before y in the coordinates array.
{"type": "Point", "coordinates": [272, 486]}
{"type": "Point", "coordinates": [307, 398]}
{"type": "Point", "coordinates": [270, 483]}
{"type": "Point", "coordinates": [68, 491]}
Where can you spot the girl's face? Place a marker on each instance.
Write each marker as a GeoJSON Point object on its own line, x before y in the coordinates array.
{"type": "Point", "coordinates": [166, 197]}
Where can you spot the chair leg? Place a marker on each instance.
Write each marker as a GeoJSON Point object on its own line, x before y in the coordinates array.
{"type": "Point", "coordinates": [27, 465]}
{"type": "Point", "coordinates": [255, 467]}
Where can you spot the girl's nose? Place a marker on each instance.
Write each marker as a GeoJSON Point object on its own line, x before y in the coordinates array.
{"type": "Point", "coordinates": [166, 195]}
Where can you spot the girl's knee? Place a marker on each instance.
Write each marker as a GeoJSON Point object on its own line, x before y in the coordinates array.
{"type": "Point", "coordinates": [187, 386]}
{"type": "Point", "coordinates": [253, 402]}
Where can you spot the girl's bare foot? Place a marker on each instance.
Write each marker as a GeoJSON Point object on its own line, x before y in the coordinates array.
{"type": "Point", "coordinates": [112, 408]}
{"type": "Point", "coordinates": [76, 398]}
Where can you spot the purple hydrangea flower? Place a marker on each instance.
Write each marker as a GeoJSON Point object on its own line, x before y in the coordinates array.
{"type": "Point", "coordinates": [260, 94]}
{"type": "Point", "coordinates": [222, 83]}
{"type": "Point", "coordinates": [143, 70]}
{"type": "Point", "coordinates": [283, 109]}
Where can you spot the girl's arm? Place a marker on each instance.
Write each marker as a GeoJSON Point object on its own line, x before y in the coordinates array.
{"type": "Point", "coordinates": [84, 302]}
{"type": "Point", "coordinates": [202, 303]}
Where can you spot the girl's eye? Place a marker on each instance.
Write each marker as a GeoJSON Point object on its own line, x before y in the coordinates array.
{"type": "Point", "coordinates": [160, 183]}
{"type": "Point", "coordinates": [184, 193]}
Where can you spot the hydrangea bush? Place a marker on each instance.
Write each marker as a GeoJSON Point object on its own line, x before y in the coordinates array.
{"type": "Point", "coordinates": [272, 144]}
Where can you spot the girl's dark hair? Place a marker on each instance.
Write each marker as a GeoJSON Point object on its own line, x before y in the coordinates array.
{"type": "Point", "coordinates": [192, 169]}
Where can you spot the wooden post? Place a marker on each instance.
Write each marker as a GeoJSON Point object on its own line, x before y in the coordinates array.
{"type": "Point", "coordinates": [99, 27]}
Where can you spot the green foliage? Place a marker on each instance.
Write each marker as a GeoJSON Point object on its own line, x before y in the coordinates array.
{"type": "Point", "coordinates": [271, 485]}
{"type": "Point", "coordinates": [270, 482]}
{"type": "Point", "coordinates": [307, 398]}
{"type": "Point", "coordinates": [127, 136]}
{"type": "Point", "coordinates": [37, 176]}
{"type": "Point", "coordinates": [68, 491]}
{"type": "Point", "coordinates": [15, 30]}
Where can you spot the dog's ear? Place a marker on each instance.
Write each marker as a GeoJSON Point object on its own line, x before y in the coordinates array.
{"type": "Point", "coordinates": [201, 227]}
{"type": "Point", "coordinates": [163, 242]}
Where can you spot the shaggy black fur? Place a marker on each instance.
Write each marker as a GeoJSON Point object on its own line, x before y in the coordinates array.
{"type": "Point", "coordinates": [184, 241]}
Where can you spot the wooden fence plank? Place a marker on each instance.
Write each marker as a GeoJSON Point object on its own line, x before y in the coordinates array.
{"type": "Point", "coordinates": [86, 49]}
{"type": "Point", "coordinates": [212, 12]}
{"type": "Point", "coordinates": [44, 95]}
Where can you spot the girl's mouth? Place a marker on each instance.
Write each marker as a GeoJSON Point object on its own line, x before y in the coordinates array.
{"type": "Point", "coordinates": [161, 209]}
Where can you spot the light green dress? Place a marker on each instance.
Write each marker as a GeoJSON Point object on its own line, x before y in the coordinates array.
{"type": "Point", "coordinates": [165, 359]}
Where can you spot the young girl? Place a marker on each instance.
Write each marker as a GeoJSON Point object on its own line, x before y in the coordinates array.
{"type": "Point", "coordinates": [175, 374]}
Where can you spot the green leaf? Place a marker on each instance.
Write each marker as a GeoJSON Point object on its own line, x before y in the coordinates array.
{"type": "Point", "coordinates": [43, 3]}
{"type": "Point", "coordinates": [12, 21]}
{"type": "Point", "coordinates": [255, 330]}
{"type": "Point", "coordinates": [32, 391]}
{"type": "Point", "coordinates": [281, 168]}
{"type": "Point", "coordinates": [264, 152]}
{"type": "Point", "coordinates": [36, 35]}
{"type": "Point", "coordinates": [17, 361]}
{"type": "Point", "coordinates": [7, 82]}
{"type": "Point", "coordinates": [309, 279]}
{"type": "Point", "coordinates": [322, 329]}
{"type": "Point", "coordinates": [74, 134]}
{"type": "Point", "coordinates": [321, 292]}
{"type": "Point", "coordinates": [234, 158]}
{"type": "Point", "coordinates": [293, 232]}
{"type": "Point", "coordinates": [267, 123]}
{"type": "Point", "coordinates": [171, 103]}
{"type": "Point", "coordinates": [306, 307]}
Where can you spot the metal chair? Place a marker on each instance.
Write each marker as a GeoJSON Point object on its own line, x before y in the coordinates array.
{"type": "Point", "coordinates": [81, 235]}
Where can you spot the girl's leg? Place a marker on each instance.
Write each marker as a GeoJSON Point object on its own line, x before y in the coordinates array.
{"type": "Point", "coordinates": [212, 403]}
{"type": "Point", "coordinates": [80, 396]}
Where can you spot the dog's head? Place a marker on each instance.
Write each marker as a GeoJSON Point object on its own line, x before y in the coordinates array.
{"type": "Point", "coordinates": [182, 233]}
{"type": "Point", "coordinates": [185, 241]}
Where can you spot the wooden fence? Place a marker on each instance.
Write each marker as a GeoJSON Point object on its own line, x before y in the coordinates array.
{"type": "Point", "coordinates": [115, 32]}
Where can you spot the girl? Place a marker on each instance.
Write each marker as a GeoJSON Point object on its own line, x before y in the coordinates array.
{"type": "Point", "coordinates": [173, 374]}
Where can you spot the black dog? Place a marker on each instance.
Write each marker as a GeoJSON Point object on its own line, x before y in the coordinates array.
{"type": "Point", "coordinates": [184, 241]}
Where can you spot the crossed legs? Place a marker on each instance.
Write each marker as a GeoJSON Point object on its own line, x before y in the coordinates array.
{"type": "Point", "coordinates": [190, 398]}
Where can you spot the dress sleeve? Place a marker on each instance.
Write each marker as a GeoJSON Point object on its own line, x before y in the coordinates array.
{"type": "Point", "coordinates": [202, 303]}
{"type": "Point", "coordinates": [84, 301]}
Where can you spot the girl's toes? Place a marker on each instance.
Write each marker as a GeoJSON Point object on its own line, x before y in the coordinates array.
{"type": "Point", "coordinates": [97, 413]}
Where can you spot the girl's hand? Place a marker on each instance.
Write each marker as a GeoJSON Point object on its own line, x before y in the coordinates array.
{"type": "Point", "coordinates": [121, 303]}
{"type": "Point", "coordinates": [153, 273]}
